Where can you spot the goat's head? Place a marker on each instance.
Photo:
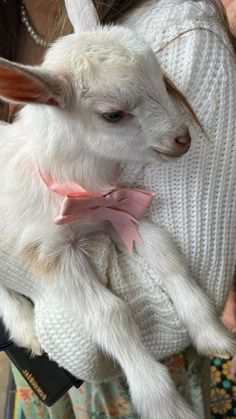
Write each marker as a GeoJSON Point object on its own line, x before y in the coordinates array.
{"type": "Point", "coordinates": [108, 85]}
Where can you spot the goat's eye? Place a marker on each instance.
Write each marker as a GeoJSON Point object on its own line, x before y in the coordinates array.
{"type": "Point", "coordinates": [114, 116]}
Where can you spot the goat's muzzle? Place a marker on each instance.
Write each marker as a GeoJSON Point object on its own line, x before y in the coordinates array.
{"type": "Point", "coordinates": [178, 146]}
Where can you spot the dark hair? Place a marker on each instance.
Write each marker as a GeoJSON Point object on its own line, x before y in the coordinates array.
{"type": "Point", "coordinates": [9, 26]}
{"type": "Point", "coordinates": [110, 10]}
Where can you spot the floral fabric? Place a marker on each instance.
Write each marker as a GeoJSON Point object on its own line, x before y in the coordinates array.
{"type": "Point", "coordinates": [111, 400]}
{"type": "Point", "coordinates": [223, 390]}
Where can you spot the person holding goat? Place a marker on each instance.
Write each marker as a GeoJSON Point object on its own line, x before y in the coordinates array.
{"type": "Point", "coordinates": [199, 255]}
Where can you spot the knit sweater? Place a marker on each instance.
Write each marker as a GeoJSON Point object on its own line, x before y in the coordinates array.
{"type": "Point", "coordinates": [195, 198]}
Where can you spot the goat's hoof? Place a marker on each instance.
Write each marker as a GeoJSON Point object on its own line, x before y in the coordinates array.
{"type": "Point", "coordinates": [216, 342]}
{"type": "Point", "coordinates": [23, 332]}
{"type": "Point", "coordinates": [30, 342]}
{"type": "Point", "coordinates": [223, 356]}
{"type": "Point", "coordinates": [34, 347]}
{"type": "Point", "coordinates": [173, 408]}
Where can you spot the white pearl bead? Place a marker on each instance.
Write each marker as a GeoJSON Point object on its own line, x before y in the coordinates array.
{"type": "Point", "coordinates": [25, 20]}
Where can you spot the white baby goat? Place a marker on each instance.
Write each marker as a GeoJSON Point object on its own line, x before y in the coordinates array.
{"type": "Point", "coordinates": [97, 101]}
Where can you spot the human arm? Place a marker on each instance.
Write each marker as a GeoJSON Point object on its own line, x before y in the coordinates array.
{"type": "Point", "coordinates": [60, 333]}
{"type": "Point", "coordinates": [166, 334]}
{"type": "Point", "coordinates": [229, 313]}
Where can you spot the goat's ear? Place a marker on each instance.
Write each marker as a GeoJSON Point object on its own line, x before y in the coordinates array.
{"type": "Point", "coordinates": [82, 14]}
{"type": "Point", "coordinates": [25, 84]}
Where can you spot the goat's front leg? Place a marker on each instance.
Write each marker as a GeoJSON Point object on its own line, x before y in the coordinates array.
{"type": "Point", "coordinates": [194, 308]}
{"type": "Point", "coordinates": [18, 317]}
{"type": "Point", "coordinates": [107, 320]}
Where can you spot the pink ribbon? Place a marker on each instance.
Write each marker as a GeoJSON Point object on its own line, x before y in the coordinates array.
{"type": "Point", "coordinates": [122, 207]}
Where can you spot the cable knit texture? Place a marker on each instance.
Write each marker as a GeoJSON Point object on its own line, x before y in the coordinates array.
{"type": "Point", "coordinates": [195, 198]}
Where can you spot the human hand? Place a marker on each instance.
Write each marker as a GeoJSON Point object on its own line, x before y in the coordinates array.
{"type": "Point", "coordinates": [229, 313]}
{"type": "Point", "coordinates": [230, 7]}
{"type": "Point", "coordinates": [229, 319]}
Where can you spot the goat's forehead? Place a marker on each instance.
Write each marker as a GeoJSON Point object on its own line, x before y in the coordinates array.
{"type": "Point", "coordinates": [104, 48]}
{"type": "Point", "coordinates": [112, 57]}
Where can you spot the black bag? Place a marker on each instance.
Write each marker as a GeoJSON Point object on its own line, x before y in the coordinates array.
{"type": "Point", "coordinates": [45, 377]}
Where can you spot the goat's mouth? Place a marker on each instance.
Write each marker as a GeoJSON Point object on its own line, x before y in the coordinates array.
{"type": "Point", "coordinates": [165, 154]}
{"type": "Point", "coordinates": [160, 154]}
{"type": "Point", "coordinates": [175, 153]}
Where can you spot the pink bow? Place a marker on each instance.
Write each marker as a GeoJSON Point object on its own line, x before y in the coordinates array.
{"type": "Point", "coordinates": [122, 207]}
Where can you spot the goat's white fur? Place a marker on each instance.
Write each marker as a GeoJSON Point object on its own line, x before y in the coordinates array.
{"type": "Point", "coordinates": [102, 71]}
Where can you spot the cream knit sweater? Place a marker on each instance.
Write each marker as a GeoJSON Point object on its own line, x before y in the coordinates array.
{"type": "Point", "coordinates": [195, 198]}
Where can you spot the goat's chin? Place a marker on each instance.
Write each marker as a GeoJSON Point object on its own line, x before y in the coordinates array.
{"type": "Point", "coordinates": [163, 156]}
{"type": "Point", "coordinates": [166, 157]}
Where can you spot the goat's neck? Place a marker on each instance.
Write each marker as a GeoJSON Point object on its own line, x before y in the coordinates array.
{"type": "Point", "coordinates": [55, 157]}
{"type": "Point", "coordinates": [95, 174]}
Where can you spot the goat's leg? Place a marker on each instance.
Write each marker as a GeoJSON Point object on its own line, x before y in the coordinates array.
{"type": "Point", "coordinates": [151, 387]}
{"type": "Point", "coordinates": [109, 323]}
{"type": "Point", "coordinates": [194, 308]}
{"type": "Point", "coordinates": [18, 317]}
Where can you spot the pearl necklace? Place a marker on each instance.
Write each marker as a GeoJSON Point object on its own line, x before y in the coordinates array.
{"type": "Point", "coordinates": [25, 20]}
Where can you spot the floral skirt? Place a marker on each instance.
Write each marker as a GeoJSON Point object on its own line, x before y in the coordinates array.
{"type": "Point", "coordinates": [190, 372]}
{"type": "Point", "coordinates": [223, 390]}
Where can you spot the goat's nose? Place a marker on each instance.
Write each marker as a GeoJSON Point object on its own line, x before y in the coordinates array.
{"type": "Point", "coordinates": [182, 142]}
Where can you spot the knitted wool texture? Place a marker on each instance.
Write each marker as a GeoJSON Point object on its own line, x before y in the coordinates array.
{"type": "Point", "coordinates": [195, 198]}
